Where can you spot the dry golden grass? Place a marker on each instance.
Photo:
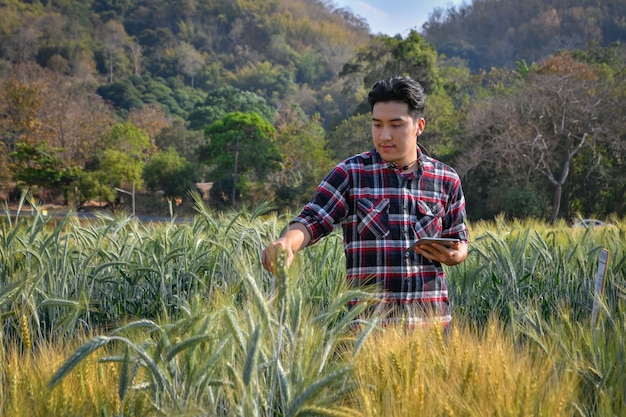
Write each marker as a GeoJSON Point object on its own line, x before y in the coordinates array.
{"type": "Point", "coordinates": [90, 390]}
{"type": "Point", "coordinates": [424, 372]}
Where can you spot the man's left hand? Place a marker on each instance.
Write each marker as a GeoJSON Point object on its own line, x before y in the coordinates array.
{"type": "Point", "coordinates": [450, 256]}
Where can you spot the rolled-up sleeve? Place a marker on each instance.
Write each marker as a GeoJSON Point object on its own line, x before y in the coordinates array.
{"type": "Point", "coordinates": [328, 206]}
{"type": "Point", "coordinates": [454, 220]}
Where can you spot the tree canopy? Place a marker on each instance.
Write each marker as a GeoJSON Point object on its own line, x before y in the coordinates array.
{"type": "Point", "coordinates": [228, 99]}
{"type": "Point", "coordinates": [169, 172]}
{"type": "Point", "coordinates": [240, 149]}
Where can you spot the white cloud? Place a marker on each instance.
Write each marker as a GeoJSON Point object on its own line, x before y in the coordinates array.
{"type": "Point", "coordinates": [376, 18]}
{"type": "Point", "coordinates": [391, 16]}
{"type": "Point", "coordinates": [370, 12]}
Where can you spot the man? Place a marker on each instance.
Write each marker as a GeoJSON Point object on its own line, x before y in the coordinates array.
{"type": "Point", "coordinates": [385, 200]}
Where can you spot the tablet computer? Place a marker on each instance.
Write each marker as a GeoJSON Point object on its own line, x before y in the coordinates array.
{"type": "Point", "coordinates": [445, 241]}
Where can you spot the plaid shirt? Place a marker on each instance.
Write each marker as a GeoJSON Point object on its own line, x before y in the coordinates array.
{"type": "Point", "coordinates": [382, 212]}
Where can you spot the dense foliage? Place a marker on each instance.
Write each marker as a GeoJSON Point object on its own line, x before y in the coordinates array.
{"type": "Point", "coordinates": [496, 33]}
{"type": "Point", "coordinates": [539, 133]}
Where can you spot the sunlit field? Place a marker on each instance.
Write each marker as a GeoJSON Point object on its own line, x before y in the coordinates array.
{"type": "Point", "coordinates": [114, 317]}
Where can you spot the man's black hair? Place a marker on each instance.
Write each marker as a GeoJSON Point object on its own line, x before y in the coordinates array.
{"type": "Point", "coordinates": [402, 89]}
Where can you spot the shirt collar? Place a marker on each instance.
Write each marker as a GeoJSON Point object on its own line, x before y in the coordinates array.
{"type": "Point", "coordinates": [425, 162]}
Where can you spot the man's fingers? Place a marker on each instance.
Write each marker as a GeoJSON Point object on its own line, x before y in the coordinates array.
{"type": "Point", "coordinates": [268, 259]}
{"type": "Point", "coordinates": [270, 255]}
{"type": "Point", "coordinates": [435, 252]}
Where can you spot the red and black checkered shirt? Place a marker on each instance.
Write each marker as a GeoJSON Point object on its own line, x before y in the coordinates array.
{"type": "Point", "coordinates": [382, 212]}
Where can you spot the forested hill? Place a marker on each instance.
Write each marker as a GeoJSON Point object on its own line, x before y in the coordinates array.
{"type": "Point", "coordinates": [287, 51]}
{"type": "Point", "coordinates": [498, 33]}
{"type": "Point", "coordinates": [268, 47]}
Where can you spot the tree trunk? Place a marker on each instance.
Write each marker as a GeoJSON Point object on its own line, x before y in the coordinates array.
{"type": "Point", "coordinates": [556, 202]}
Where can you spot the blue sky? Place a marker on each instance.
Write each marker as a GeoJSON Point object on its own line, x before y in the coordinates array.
{"type": "Point", "coordinates": [392, 16]}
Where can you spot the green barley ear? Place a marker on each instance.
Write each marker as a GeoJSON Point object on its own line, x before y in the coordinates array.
{"type": "Point", "coordinates": [124, 373]}
{"type": "Point", "coordinates": [281, 275]}
{"type": "Point", "coordinates": [251, 357]}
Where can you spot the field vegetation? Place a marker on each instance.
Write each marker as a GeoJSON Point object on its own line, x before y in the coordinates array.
{"type": "Point", "coordinates": [115, 317]}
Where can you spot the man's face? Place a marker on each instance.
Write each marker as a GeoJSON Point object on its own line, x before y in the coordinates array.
{"type": "Point", "coordinates": [394, 131]}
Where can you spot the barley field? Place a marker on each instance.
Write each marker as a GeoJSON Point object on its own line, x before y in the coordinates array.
{"type": "Point", "coordinates": [114, 317]}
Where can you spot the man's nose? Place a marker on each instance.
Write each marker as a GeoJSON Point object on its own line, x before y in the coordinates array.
{"type": "Point", "coordinates": [385, 133]}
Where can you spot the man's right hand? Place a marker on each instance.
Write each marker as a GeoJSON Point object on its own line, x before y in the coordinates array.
{"type": "Point", "coordinates": [296, 237]}
{"type": "Point", "coordinates": [269, 258]}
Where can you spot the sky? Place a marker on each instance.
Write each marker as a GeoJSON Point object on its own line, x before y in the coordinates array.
{"type": "Point", "coordinates": [393, 17]}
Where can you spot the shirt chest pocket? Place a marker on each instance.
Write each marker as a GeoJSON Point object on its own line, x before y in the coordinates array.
{"type": "Point", "coordinates": [429, 221]}
{"type": "Point", "coordinates": [373, 217]}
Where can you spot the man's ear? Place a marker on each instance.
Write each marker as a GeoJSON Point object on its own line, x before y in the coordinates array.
{"type": "Point", "coordinates": [421, 122]}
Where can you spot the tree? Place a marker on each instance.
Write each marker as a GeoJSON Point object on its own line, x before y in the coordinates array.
{"type": "Point", "coordinates": [565, 114]}
{"type": "Point", "coordinates": [494, 176]}
{"type": "Point", "coordinates": [387, 56]}
{"type": "Point", "coordinates": [114, 39]}
{"type": "Point", "coordinates": [124, 159]}
{"type": "Point", "coordinates": [542, 126]}
{"type": "Point", "coordinates": [38, 166]}
{"type": "Point", "coordinates": [264, 78]}
{"type": "Point", "coordinates": [226, 100]}
{"type": "Point", "coordinates": [190, 61]}
{"type": "Point", "coordinates": [352, 136]}
{"type": "Point", "coordinates": [122, 94]}
{"type": "Point", "coordinates": [128, 138]}
{"type": "Point", "coordinates": [185, 142]}
{"type": "Point", "coordinates": [306, 159]}
{"type": "Point", "coordinates": [55, 110]}
{"type": "Point", "coordinates": [20, 46]}
{"type": "Point", "coordinates": [168, 172]}
{"type": "Point", "coordinates": [75, 117]}
{"type": "Point", "coordinates": [602, 190]}
{"type": "Point", "coordinates": [20, 123]}
{"type": "Point", "coordinates": [19, 117]}
{"type": "Point", "coordinates": [241, 149]}
{"type": "Point", "coordinates": [151, 119]}
{"type": "Point", "coordinates": [92, 186]}
{"type": "Point", "coordinates": [121, 169]}
{"type": "Point", "coordinates": [135, 56]}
